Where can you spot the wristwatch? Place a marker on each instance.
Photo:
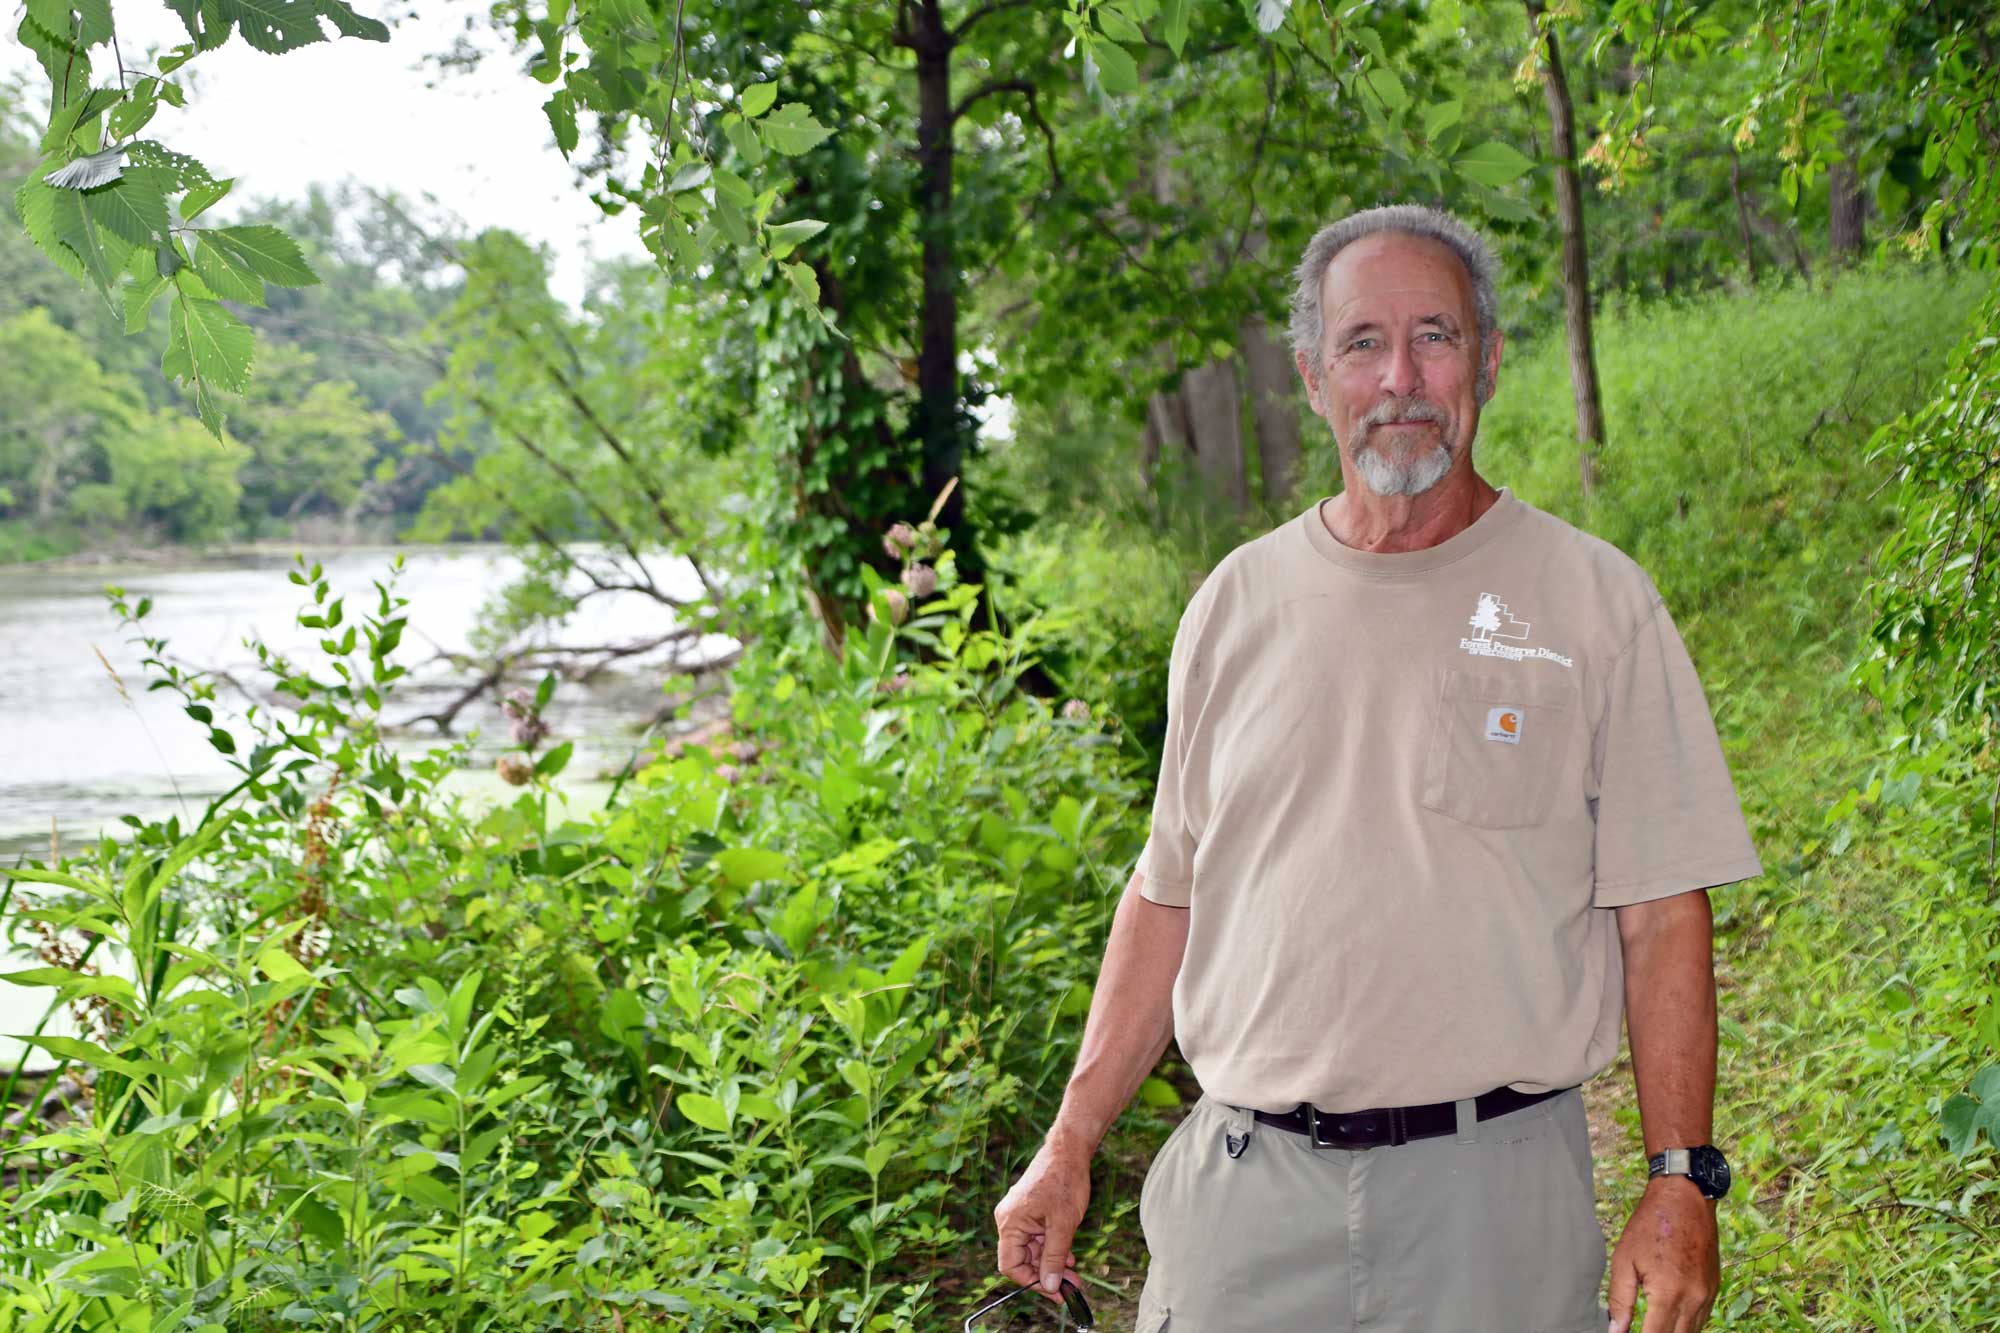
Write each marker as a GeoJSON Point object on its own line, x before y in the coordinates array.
{"type": "Point", "coordinates": [1705, 1166]}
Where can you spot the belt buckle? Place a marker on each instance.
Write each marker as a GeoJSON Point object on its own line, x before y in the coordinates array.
{"type": "Point", "coordinates": [1312, 1134]}
{"type": "Point", "coordinates": [1399, 1132]}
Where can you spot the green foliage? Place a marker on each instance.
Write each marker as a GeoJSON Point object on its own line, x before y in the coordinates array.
{"type": "Point", "coordinates": [741, 1051]}
{"type": "Point", "coordinates": [101, 204]}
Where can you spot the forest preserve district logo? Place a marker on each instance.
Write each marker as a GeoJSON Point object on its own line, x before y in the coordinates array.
{"type": "Point", "coordinates": [1495, 633]}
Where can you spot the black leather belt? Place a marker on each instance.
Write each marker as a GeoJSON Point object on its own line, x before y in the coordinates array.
{"type": "Point", "coordinates": [1391, 1125]}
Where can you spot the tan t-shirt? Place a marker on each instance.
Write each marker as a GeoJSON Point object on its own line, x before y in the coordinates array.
{"type": "Point", "coordinates": [1398, 794]}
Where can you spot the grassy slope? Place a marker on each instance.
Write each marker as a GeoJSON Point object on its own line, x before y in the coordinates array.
{"type": "Point", "coordinates": [1736, 474]}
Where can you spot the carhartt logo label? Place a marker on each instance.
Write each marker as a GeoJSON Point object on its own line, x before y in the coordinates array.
{"type": "Point", "coordinates": [1496, 632]}
{"type": "Point", "coordinates": [1503, 724]}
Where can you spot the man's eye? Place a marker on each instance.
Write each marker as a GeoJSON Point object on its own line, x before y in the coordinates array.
{"type": "Point", "coordinates": [1360, 344]}
{"type": "Point", "coordinates": [1435, 336]}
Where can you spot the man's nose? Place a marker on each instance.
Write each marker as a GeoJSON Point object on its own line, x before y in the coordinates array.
{"type": "Point", "coordinates": [1401, 374]}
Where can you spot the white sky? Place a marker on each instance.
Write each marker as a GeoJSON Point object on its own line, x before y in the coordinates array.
{"type": "Point", "coordinates": [477, 143]}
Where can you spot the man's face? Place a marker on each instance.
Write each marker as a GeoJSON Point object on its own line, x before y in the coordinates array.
{"type": "Point", "coordinates": [1399, 360]}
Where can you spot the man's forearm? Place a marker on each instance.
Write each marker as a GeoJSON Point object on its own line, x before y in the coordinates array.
{"type": "Point", "coordinates": [1668, 949]}
{"type": "Point", "coordinates": [1131, 1019]}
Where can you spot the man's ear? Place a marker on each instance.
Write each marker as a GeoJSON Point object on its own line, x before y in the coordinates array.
{"type": "Point", "coordinates": [1493, 366]}
{"type": "Point", "coordinates": [1307, 374]}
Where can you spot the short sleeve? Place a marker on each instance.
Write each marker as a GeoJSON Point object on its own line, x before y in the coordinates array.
{"type": "Point", "coordinates": [1667, 816]}
{"type": "Point", "coordinates": [1167, 860]}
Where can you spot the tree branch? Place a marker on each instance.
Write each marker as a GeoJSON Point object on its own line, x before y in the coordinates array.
{"type": "Point", "coordinates": [955, 35]}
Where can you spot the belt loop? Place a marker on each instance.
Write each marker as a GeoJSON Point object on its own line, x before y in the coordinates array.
{"type": "Point", "coordinates": [1236, 1130]}
{"type": "Point", "coordinates": [1468, 1119]}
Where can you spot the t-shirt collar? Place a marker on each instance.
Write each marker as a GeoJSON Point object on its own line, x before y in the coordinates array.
{"type": "Point", "coordinates": [1497, 519]}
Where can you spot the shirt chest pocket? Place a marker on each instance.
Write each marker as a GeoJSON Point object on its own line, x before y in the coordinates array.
{"type": "Point", "coordinates": [1497, 748]}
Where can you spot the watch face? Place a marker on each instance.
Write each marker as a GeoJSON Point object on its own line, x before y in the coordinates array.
{"type": "Point", "coordinates": [1709, 1171]}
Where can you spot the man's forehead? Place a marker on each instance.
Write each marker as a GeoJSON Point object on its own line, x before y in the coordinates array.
{"type": "Point", "coordinates": [1394, 269]}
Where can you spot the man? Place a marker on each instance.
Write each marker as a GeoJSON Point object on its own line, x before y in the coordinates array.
{"type": "Point", "coordinates": [1438, 780]}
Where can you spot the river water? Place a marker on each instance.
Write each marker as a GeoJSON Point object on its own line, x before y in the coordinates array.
{"type": "Point", "coordinates": [82, 741]}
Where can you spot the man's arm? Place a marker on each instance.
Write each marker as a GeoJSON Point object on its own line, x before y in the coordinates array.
{"type": "Point", "coordinates": [1669, 1245]}
{"type": "Point", "coordinates": [1131, 1020]}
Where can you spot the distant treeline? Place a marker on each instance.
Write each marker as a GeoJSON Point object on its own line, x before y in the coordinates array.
{"type": "Point", "coordinates": [334, 437]}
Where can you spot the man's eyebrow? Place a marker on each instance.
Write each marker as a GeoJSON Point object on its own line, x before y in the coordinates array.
{"type": "Point", "coordinates": [1359, 326]}
{"type": "Point", "coordinates": [1443, 320]}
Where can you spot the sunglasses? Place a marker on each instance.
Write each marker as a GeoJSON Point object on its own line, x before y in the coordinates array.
{"type": "Point", "coordinates": [1075, 1312]}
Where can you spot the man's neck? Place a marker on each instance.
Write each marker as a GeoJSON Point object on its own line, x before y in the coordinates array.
{"type": "Point", "coordinates": [1385, 524]}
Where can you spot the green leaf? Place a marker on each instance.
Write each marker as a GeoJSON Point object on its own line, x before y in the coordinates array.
{"type": "Point", "coordinates": [139, 295]}
{"type": "Point", "coordinates": [785, 237]}
{"type": "Point", "coordinates": [1158, 1092]}
{"type": "Point", "coordinates": [758, 98]}
{"type": "Point", "coordinates": [791, 130]}
{"type": "Point", "coordinates": [208, 345]}
{"type": "Point", "coordinates": [265, 251]}
{"type": "Point", "coordinates": [83, 109]}
{"type": "Point", "coordinates": [555, 760]}
{"type": "Point", "coordinates": [744, 866]}
{"type": "Point", "coordinates": [225, 275]}
{"type": "Point", "coordinates": [177, 169]}
{"type": "Point", "coordinates": [1958, 1122]}
{"type": "Point", "coordinates": [37, 205]}
{"type": "Point", "coordinates": [440, 1077]}
{"type": "Point", "coordinates": [1387, 89]}
{"type": "Point", "coordinates": [1370, 41]}
{"type": "Point", "coordinates": [1492, 163]}
{"type": "Point", "coordinates": [692, 176]}
{"type": "Point", "coordinates": [1175, 24]}
{"type": "Point", "coordinates": [703, 1110]}
{"type": "Point", "coordinates": [743, 136]}
{"type": "Point", "coordinates": [132, 208]}
{"type": "Point", "coordinates": [351, 24]}
{"type": "Point", "coordinates": [805, 282]}
{"type": "Point", "coordinates": [1117, 27]}
{"type": "Point", "coordinates": [1439, 118]}
{"type": "Point", "coordinates": [1067, 818]}
{"type": "Point", "coordinates": [561, 111]}
{"type": "Point", "coordinates": [271, 26]}
{"type": "Point", "coordinates": [281, 966]}
{"type": "Point", "coordinates": [201, 197]}
{"type": "Point", "coordinates": [102, 252]}
{"type": "Point", "coordinates": [1117, 71]}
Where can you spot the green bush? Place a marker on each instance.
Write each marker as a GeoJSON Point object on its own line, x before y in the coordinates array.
{"type": "Point", "coordinates": [744, 1050]}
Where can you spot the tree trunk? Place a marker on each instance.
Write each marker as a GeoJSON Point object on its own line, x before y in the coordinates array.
{"type": "Point", "coordinates": [1166, 433]}
{"type": "Point", "coordinates": [1214, 408]}
{"type": "Point", "coordinates": [938, 422]}
{"type": "Point", "coordinates": [1270, 377]}
{"type": "Point", "coordinates": [1742, 212]}
{"type": "Point", "coordinates": [1575, 256]}
{"type": "Point", "coordinates": [1846, 207]}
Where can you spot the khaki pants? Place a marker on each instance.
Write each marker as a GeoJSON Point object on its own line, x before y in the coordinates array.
{"type": "Point", "coordinates": [1491, 1231]}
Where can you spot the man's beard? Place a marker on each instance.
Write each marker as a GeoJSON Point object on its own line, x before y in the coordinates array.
{"type": "Point", "coordinates": [1392, 468]}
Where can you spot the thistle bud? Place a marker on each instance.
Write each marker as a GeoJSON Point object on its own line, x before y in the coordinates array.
{"type": "Point", "coordinates": [1076, 710]}
{"type": "Point", "coordinates": [895, 684]}
{"type": "Point", "coordinates": [514, 770]}
{"type": "Point", "coordinates": [899, 541]}
{"type": "Point", "coordinates": [728, 772]}
{"type": "Point", "coordinates": [921, 580]}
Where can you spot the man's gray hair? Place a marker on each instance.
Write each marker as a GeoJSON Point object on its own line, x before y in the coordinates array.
{"type": "Point", "coordinates": [1432, 224]}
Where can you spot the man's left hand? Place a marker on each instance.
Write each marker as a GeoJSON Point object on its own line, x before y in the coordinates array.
{"type": "Point", "coordinates": [1668, 1251]}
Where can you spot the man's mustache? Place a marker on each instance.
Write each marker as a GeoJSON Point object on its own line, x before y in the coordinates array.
{"type": "Point", "coordinates": [1403, 409]}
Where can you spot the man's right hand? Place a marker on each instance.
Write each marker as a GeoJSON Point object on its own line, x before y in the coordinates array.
{"type": "Point", "coordinates": [1039, 1217]}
